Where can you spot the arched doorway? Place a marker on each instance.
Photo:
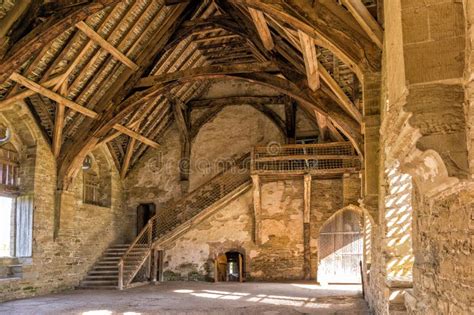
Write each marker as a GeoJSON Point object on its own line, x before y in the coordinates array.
{"type": "Point", "coordinates": [341, 248]}
{"type": "Point", "coordinates": [230, 267]}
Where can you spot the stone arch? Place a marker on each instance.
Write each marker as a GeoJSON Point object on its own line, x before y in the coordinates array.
{"type": "Point", "coordinates": [345, 234]}
{"type": "Point", "coordinates": [360, 210]}
{"type": "Point", "coordinates": [222, 249]}
{"type": "Point", "coordinates": [25, 132]}
{"type": "Point", "coordinates": [96, 188]}
{"type": "Point", "coordinates": [26, 139]}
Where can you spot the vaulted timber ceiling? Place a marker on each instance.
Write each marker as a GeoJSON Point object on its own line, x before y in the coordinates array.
{"type": "Point", "coordinates": [115, 72]}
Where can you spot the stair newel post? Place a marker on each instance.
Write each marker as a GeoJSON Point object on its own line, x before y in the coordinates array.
{"type": "Point", "coordinates": [252, 159]}
{"type": "Point", "coordinates": [120, 275]}
{"type": "Point", "coordinates": [150, 241]}
{"type": "Point", "coordinates": [150, 233]}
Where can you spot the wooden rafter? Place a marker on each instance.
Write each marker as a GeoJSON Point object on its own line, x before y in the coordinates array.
{"type": "Point", "coordinates": [344, 100]}
{"type": "Point", "coordinates": [45, 33]}
{"type": "Point", "coordinates": [362, 15]}
{"type": "Point", "coordinates": [218, 70]}
{"type": "Point", "coordinates": [76, 107]}
{"type": "Point", "coordinates": [262, 28]}
{"type": "Point", "coordinates": [360, 55]}
{"type": "Point", "coordinates": [128, 157]}
{"type": "Point", "coordinates": [58, 129]}
{"type": "Point", "coordinates": [106, 45]}
{"type": "Point", "coordinates": [108, 102]}
{"type": "Point", "coordinates": [310, 60]}
{"type": "Point", "coordinates": [311, 101]}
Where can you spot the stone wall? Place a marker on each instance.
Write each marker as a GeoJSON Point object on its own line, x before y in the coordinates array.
{"type": "Point", "coordinates": [231, 134]}
{"type": "Point", "coordinates": [85, 231]}
{"type": "Point", "coordinates": [280, 256]}
{"type": "Point", "coordinates": [155, 178]}
{"type": "Point", "coordinates": [444, 265]}
{"type": "Point", "coordinates": [426, 130]}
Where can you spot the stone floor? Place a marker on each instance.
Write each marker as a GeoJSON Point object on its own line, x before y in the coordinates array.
{"type": "Point", "coordinates": [199, 298]}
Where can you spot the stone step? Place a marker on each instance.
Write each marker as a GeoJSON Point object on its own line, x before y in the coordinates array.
{"type": "Point", "coordinates": [106, 263]}
{"type": "Point", "coordinates": [94, 287]}
{"type": "Point", "coordinates": [103, 272]}
{"type": "Point", "coordinates": [99, 282]}
{"type": "Point", "coordinates": [105, 267]}
{"type": "Point", "coordinates": [397, 308]}
{"type": "Point", "coordinates": [101, 277]}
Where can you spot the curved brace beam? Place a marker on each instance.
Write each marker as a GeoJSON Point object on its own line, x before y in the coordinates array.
{"type": "Point", "coordinates": [312, 101]}
{"type": "Point", "coordinates": [317, 100]}
{"type": "Point", "coordinates": [331, 27]}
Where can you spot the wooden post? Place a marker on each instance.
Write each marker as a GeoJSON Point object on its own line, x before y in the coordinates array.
{"type": "Point", "coordinates": [257, 206]}
{"type": "Point", "coordinates": [240, 268]}
{"type": "Point", "coordinates": [307, 227]}
{"type": "Point", "coordinates": [216, 271]}
{"type": "Point", "coordinates": [120, 275]}
{"type": "Point", "coordinates": [155, 266]}
{"type": "Point", "coordinates": [160, 265]}
{"type": "Point", "coordinates": [263, 30]}
{"type": "Point", "coordinates": [149, 266]}
{"type": "Point", "coordinates": [150, 230]}
{"type": "Point", "coordinates": [290, 121]}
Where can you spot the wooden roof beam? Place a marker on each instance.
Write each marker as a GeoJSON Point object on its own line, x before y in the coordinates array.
{"type": "Point", "coordinates": [366, 21]}
{"type": "Point", "coordinates": [238, 100]}
{"type": "Point", "coordinates": [262, 28]}
{"type": "Point", "coordinates": [219, 37]}
{"type": "Point", "coordinates": [27, 93]}
{"type": "Point", "coordinates": [217, 70]}
{"type": "Point", "coordinates": [106, 45]}
{"type": "Point", "coordinates": [45, 33]}
{"type": "Point", "coordinates": [128, 157]}
{"type": "Point", "coordinates": [79, 108]}
{"type": "Point", "coordinates": [310, 60]}
{"type": "Point", "coordinates": [58, 129]}
{"type": "Point", "coordinates": [344, 100]}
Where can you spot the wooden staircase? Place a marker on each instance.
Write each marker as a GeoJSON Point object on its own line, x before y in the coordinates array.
{"type": "Point", "coordinates": [171, 222]}
{"type": "Point", "coordinates": [104, 274]}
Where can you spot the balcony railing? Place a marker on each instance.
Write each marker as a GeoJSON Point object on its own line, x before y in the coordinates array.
{"type": "Point", "coordinates": [299, 159]}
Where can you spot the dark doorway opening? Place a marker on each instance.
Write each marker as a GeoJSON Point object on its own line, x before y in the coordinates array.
{"type": "Point", "coordinates": [230, 267]}
{"type": "Point", "coordinates": [145, 212]}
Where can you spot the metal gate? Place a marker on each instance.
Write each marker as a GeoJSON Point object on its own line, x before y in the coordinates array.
{"type": "Point", "coordinates": [340, 249]}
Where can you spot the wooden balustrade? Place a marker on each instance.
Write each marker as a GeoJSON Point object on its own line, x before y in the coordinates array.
{"type": "Point", "coordinates": [300, 159]}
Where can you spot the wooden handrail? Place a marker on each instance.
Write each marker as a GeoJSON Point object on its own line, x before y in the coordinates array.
{"type": "Point", "coordinates": [151, 229]}
{"type": "Point", "coordinates": [312, 145]}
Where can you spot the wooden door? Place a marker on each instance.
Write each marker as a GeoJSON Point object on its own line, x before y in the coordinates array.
{"type": "Point", "coordinates": [340, 249]}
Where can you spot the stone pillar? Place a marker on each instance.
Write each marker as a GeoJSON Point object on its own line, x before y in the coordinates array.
{"type": "Point", "coordinates": [257, 206]}
{"type": "Point", "coordinates": [307, 227]}
{"type": "Point", "coordinates": [371, 129]}
{"type": "Point", "coordinates": [64, 211]}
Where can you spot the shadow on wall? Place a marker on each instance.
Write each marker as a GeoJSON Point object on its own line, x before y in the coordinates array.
{"type": "Point", "coordinates": [398, 223]}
